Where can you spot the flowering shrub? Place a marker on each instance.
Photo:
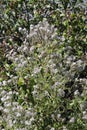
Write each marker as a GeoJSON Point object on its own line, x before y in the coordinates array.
{"type": "Point", "coordinates": [44, 86]}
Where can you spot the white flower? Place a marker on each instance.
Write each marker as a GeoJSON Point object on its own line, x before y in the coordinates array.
{"type": "Point", "coordinates": [13, 108]}
{"type": "Point", "coordinates": [8, 97]}
{"type": "Point", "coordinates": [32, 119]}
{"type": "Point", "coordinates": [46, 93]}
{"type": "Point", "coordinates": [55, 85]}
{"type": "Point", "coordinates": [79, 62]}
{"type": "Point", "coordinates": [52, 128]}
{"type": "Point", "coordinates": [27, 123]}
{"type": "Point", "coordinates": [18, 114]}
{"type": "Point", "coordinates": [9, 81]}
{"type": "Point", "coordinates": [84, 112]}
{"type": "Point", "coordinates": [31, 27]}
{"type": "Point", "coordinates": [84, 117]}
{"type": "Point", "coordinates": [6, 104]}
{"type": "Point", "coordinates": [10, 123]}
{"type": "Point", "coordinates": [20, 29]}
{"type": "Point", "coordinates": [72, 120]}
{"type": "Point", "coordinates": [61, 92]}
{"type": "Point", "coordinates": [32, 48]}
{"type": "Point", "coordinates": [76, 93]}
{"type": "Point", "coordinates": [19, 49]}
{"type": "Point", "coordinates": [83, 105]}
{"type": "Point", "coordinates": [55, 71]}
{"type": "Point", "coordinates": [4, 83]}
{"type": "Point", "coordinates": [10, 39]}
{"type": "Point", "coordinates": [19, 108]}
{"type": "Point", "coordinates": [3, 93]}
{"type": "Point", "coordinates": [24, 63]}
{"type": "Point", "coordinates": [3, 99]}
{"type": "Point", "coordinates": [53, 35]}
{"type": "Point", "coordinates": [10, 93]}
{"type": "Point", "coordinates": [58, 116]}
{"type": "Point", "coordinates": [19, 66]}
{"type": "Point", "coordinates": [35, 87]}
{"type": "Point", "coordinates": [35, 93]}
{"type": "Point", "coordinates": [73, 66]}
{"type": "Point", "coordinates": [15, 103]}
{"type": "Point", "coordinates": [63, 38]}
{"type": "Point", "coordinates": [32, 34]}
{"type": "Point", "coordinates": [29, 113]}
{"type": "Point", "coordinates": [14, 121]}
{"type": "Point", "coordinates": [25, 49]}
{"type": "Point", "coordinates": [64, 128]}
{"type": "Point", "coordinates": [37, 70]}
{"type": "Point", "coordinates": [16, 60]}
{"type": "Point", "coordinates": [52, 65]}
{"type": "Point", "coordinates": [6, 110]}
{"type": "Point", "coordinates": [1, 108]}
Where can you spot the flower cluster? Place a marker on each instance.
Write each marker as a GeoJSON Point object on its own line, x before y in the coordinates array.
{"type": "Point", "coordinates": [46, 84]}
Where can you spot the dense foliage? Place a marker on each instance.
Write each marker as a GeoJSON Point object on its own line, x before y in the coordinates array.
{"type": "Point", "coordinates": [43, 65]}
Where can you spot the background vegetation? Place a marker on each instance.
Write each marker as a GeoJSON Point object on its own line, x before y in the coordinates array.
{"type": "Point", "coordinates": [43, 65]}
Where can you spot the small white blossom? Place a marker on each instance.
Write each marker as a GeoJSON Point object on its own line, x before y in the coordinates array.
{"type": "Point", "coordinates": [58, 116]}
{"type": "Point", "coordinates": [76, 93]}
{"type": "Point", "coordinates": [10, 123]}
{"type": "Point", "coordinates": [27, 123]}
{"type": "Point", "coordinates": [6, 104]}
{"type": "Point", "coordinates": [25, 49]}
{"type": "Point", "coordinates": [32, 48]}
{"type": "Point", "coordinates": [35, 93]}
{"type": "Point", "coordinates": [37, 70]}
{"type": "Point", "coordinates": [18, 114]}
{"type": "Point", "coordinates": [64, 128]}
{"type": "Point", "coordinates": [61, 92]}
{"type": "Point", "coordinates": [84, 117]}
{"type": "Point", "coordinates": [4, 83]}
{"type": "Point", "coordinates": [52, 128]}
{"type": "Point", "coordinates": [20, 29]}
{"type": "Point", "coordinates": [24, 63]}
{"type": "Point", "coordinates": [6, 110]}
{"type": "Point", "coordinates": [72, 120]}
{"type": "Point", "coordinates": [1, 108]}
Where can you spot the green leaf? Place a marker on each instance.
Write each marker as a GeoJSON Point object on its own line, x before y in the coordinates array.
{"type": "Point", "coordinates": [21, 81]}
{"type": "Point", "coordinates": [7, 67]}
{"type": "Point", "coordinates": [65, 3]}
